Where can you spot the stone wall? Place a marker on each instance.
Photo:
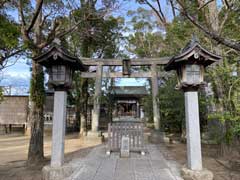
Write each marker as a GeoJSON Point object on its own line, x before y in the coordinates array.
{"type": "Point", "coordinates": [14, 110]}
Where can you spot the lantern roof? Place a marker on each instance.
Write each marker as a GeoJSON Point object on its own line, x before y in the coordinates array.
{"type": "Point", "coordinates": [56, 55]}
{"type": "Point", "coordinates": [192, 53]}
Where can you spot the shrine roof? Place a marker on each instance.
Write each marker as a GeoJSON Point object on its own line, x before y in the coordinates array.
{"type": "Point", "coordinates": [130, 90]}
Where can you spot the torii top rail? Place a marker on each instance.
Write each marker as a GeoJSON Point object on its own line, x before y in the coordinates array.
{"type": "Point", "coordinates": [118, 62]}
{"type": "Point", "coordinates": [153, 62]}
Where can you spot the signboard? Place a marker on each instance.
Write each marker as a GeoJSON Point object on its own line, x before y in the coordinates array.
{"type": "Point", "coordinates": [125, 149]}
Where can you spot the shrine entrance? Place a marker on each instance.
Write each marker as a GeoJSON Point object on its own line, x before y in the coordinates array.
{"type": "Point", "coordinates": [127, 106]}
{"type": "Point", "coordinates": [128, 102]}
{"type": "Point", "coordinates": [189, 65]}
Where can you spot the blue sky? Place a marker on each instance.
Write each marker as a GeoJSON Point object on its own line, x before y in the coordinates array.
{"type": "Point", "coordinates": [18, 75]}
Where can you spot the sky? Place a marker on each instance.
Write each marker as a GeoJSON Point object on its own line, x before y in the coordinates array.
{"type": "Point", "coordinates": [17, 76]}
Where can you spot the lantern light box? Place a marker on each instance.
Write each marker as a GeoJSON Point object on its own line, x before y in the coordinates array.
{"type": "Point", "coordinates": [60, 66]}
{"type": "Point", "coordinates": [190, 65]}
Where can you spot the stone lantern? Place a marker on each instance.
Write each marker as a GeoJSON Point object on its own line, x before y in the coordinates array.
{"type": "Point", "coordinates": [190, 65]}
{"type": "Point", "coordinates": [60, 66]}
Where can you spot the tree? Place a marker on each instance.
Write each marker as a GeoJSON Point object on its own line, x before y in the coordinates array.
{"type": "Point", "coordinates": [146, 38]}
{"type": "Point", "coordinates": [219, 22]}
{"type": "Point", "coordinates": [97, 37]}
{"type": "Point", "coordinates": [172, 106]}
{"type": "Point", "coordinates": [209, 10]}
{"type": "Point", "coordinates": [215, 33]}
{"type": "Point", "coordinates": [9, 30]}
{"type": "Point", "coordinates": [36, 35]}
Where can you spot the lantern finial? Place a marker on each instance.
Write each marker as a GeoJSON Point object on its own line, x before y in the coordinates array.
{"type": "Point", "coordinates": [57, 41]}
{"type": "Point", "coordinates": [194, 38]}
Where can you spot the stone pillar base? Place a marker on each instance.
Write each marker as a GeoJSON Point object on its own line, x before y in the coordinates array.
{"type": "Point", "coordinates": [93, 136]}
{"type": "Point", "coordinates": [82, 133]}
{"type": "Point", "coordinates": [157, 137]}
{"type": "Point", "coordinates": [188, 174]}
{"type": "Point", "coordinates": [59, 173]}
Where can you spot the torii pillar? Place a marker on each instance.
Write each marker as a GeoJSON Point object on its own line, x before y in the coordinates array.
{"type": "Point", "coordinates": [157, 136]}
{"type": "Point", "coordinates": [156, 113]}
{"type": "Point", "coordinates": [97, 96]}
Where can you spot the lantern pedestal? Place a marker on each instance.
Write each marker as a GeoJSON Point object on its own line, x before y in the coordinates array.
{"type": "Point", "coordinates": [58, 130]}
{"type": "Point", "coordinates": [53, 173]}
{"type": "Point", "coordinates": [203, 174]}
{"type": "Point", "coordinates": [194, 155]}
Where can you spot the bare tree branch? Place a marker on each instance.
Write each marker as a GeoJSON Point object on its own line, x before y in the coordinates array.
{"type": "Point", "coordinates": [160, 11]}
{"type": "Point", "coordinates": [45, 18]}
{"type": "Point", "coordinates": [213, 35]}
{"type": "Point", "coordinates": [162, 20]}
{"type": "Point", "coordinates": [20, 10]}
{"type": "Point", "coordinates": [3, 2]}
{"type": "Point", "coordinates": [173, 9]}
{"type": "Point", "coordinates": [224, 21]}
{"type": "Point", "coordinates": [35, 16]}
{"type": "Point", "coordinates": [204, 5]}
{"type": "Point", "coordinates": [3, 59]}
{"type": "Point", "coordinates": [227, 4]}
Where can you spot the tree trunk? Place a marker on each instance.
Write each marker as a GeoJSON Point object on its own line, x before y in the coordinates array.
{"type": "Point", "coordinates": [37, 97]}
{"type": "Point", "coordinates": [35, 151]}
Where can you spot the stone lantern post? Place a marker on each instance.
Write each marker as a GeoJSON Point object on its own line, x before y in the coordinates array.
{"type": "Point", "coordinates": [60, 67]}
{"type": "Point", "coordinates": [190, 65]}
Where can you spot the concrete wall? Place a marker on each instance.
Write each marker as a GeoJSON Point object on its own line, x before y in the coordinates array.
{"type": "Point", "coordinates": [14, 110]}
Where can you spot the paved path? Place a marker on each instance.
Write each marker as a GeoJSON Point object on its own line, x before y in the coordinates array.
{"type": "Point", "coordinates": [98, 166]}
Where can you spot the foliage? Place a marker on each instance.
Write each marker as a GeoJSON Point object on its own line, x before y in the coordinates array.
{"type": "Point", "coordinates": [107, 97]}
{"type": "Point", "coordinates": [9, 38]}
{"type": "Point", "coordinates": [227, 101]}
{"type": "Point", "coordinates": [148, 108]}
{"type": "Point", "coordinates": [1, 94]}
{"type": "Point", "coordinates": [145, 39]}
{"type": "Point", "coordinates": [171, 106]}
{"type": "Point", "coordinates": [9, 32]}
{"type": "Point", "coordinates": [97, 36]}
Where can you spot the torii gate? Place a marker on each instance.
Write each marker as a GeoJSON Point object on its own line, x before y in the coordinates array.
{"type": "Point", "coordinates": [126, 64]}
{"type": "Point", "coordinates": [192, 56]}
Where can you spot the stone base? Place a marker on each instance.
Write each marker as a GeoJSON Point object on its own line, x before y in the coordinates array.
{"type": "Point", "coordinates": [235, 164]}
{"type": "Point", "coordinates": [93, 136]}
{"type": "Point", "coordinates": [189, 174]}
{"type": "Point", "coordinates": [157, 137]}
{"type": "Point", "coordinates": [59, 173]}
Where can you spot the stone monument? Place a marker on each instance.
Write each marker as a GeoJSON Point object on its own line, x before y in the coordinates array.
{"type": "Point", "coordinates": [125, 149]}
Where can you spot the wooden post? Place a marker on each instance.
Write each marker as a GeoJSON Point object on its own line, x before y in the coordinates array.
{"type": "Point", "coordinates": [97, 95]}
{"type": "Point", "coordinates": [156, 114]}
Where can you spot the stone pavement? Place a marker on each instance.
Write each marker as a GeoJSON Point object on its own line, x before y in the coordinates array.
{"type": "Point", "coordinates": [98, 166]}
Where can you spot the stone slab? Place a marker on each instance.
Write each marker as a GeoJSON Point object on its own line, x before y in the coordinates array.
{"type": "Point", "coordinates": [157, 137]}
{"type": "Point", "coordinates": [98, 166]}
{"type": "Point", "coordinates": [59, 173]}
